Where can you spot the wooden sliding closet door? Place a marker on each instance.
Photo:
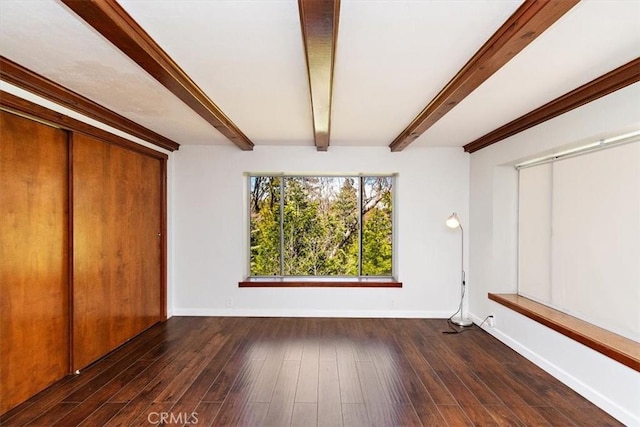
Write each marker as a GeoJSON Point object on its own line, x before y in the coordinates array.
{"type": "Point", "coordinates": [117, 197]}
{"type": "Point", "coordinates": [34, 258]}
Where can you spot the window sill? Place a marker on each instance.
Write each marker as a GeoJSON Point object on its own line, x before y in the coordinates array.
{"type": "Point", "coordinates": [296, 282]}
{"type": "Point", "coordinates": [614, 346]}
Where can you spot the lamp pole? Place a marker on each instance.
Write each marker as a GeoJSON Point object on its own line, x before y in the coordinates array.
{"type": "Point", "coordinates": [454, 222]}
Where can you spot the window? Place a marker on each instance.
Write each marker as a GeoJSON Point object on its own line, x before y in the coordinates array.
{"type": "Point", "coordinates": [320, 226]}
{"type": "Point", "coordinates": [579, 236]}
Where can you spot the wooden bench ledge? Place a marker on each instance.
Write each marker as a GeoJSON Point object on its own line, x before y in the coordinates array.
{"type": "Point", "coordinates": [624, 350]}
{"type": "Point", "coordinates": [286, 282]}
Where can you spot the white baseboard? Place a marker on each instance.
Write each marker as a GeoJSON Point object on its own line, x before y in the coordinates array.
{"type": "Point", "coordinates": [238, 312]}
{"type": "Point", "coordinates": [597, 398]}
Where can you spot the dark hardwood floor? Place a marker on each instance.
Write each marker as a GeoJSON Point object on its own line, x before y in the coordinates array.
{"type": "Point", "coordinates": [307, 372]}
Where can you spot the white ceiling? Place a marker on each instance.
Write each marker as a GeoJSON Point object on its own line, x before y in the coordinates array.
{"type": "Point", "coordinates": [392, 58]}
{"type": "Point", "coordinates": [592, 39]}
{"type": "Point", "coordinates": [46, 37]}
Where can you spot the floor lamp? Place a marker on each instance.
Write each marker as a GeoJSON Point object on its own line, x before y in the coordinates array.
{"type": "Point", "coordinates": [454, 222]}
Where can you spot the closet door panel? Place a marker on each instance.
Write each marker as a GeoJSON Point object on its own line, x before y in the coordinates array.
{"type": "Point", "coordinates": [117, 196]}
{"type": "Point", "coordinates": [34, 258]}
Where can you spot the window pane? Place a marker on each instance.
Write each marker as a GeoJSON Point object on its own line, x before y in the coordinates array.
{"type": "Point", "coordinates": [377, 228]}
{"type": "Point", "coordinates": [321, 226]}
{"type": "Point", "coordinates": [265, 225]}
{"type": "Point", "coordinates": [330, 226]}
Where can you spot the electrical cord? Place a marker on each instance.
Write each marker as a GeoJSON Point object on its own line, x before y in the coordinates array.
{"type": "Point", "coordinates": [455, 330]}
{"type": "Point", "coordinates": [449, 322]}
{"type": "Point", "coordinates": [485, 320]}
{"type": "Point", "coordinates": [452, 326]}
{"type": "Point", "coordinates": [458, 331]}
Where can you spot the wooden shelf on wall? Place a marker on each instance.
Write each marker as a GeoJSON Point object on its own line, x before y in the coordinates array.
{"type": "Point", "coordinates": [617, 347]}
{"type": "Point", "coordinates": [279, 282]}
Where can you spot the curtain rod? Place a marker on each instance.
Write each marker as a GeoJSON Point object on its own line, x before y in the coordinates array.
{"type": "Point", "coordinates": [583, 149]}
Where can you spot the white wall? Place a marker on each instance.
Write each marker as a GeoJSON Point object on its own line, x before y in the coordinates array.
{"type": "Point", "coordinates": [206, 252]}
{"type": "Point", "coordinates": [493, 251]}
{"type": "Point", "coordinates": [209, 231]}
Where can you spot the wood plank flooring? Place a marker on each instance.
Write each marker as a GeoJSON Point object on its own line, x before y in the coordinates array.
{"type": "Point", "coordinates": [219, 371]}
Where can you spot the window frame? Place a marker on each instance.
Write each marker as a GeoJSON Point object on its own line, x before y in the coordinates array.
{"type": "Point", "coordinates": [359, 278]}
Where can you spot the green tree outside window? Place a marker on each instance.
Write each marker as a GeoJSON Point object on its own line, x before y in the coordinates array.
{"type": "Point", "coordinates": [329, 226]}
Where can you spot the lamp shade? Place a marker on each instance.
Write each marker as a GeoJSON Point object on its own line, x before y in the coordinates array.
{"type": "Point", "coordinates": [453, 221]}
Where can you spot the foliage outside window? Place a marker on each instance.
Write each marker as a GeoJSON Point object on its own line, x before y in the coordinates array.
{"type": "Point", "coordinates": [321, 225]}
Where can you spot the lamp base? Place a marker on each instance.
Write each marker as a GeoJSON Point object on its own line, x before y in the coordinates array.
{"type": "Point", "coordinates": [461, 321]}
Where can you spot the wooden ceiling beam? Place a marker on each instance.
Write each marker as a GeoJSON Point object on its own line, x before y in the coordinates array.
{"type": "Point", "coordinates": [41, 86]}
{"type": "Point", "coordinates": [319, 22]}
{"type": "Point", "coordinates": [117, 26]}
{"type": "Point", "coordinates": [531, 19]}
{"type": "Point", "coordinates": [32, 111]}
{"type": "Point", "coordinates": [612, 81]}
